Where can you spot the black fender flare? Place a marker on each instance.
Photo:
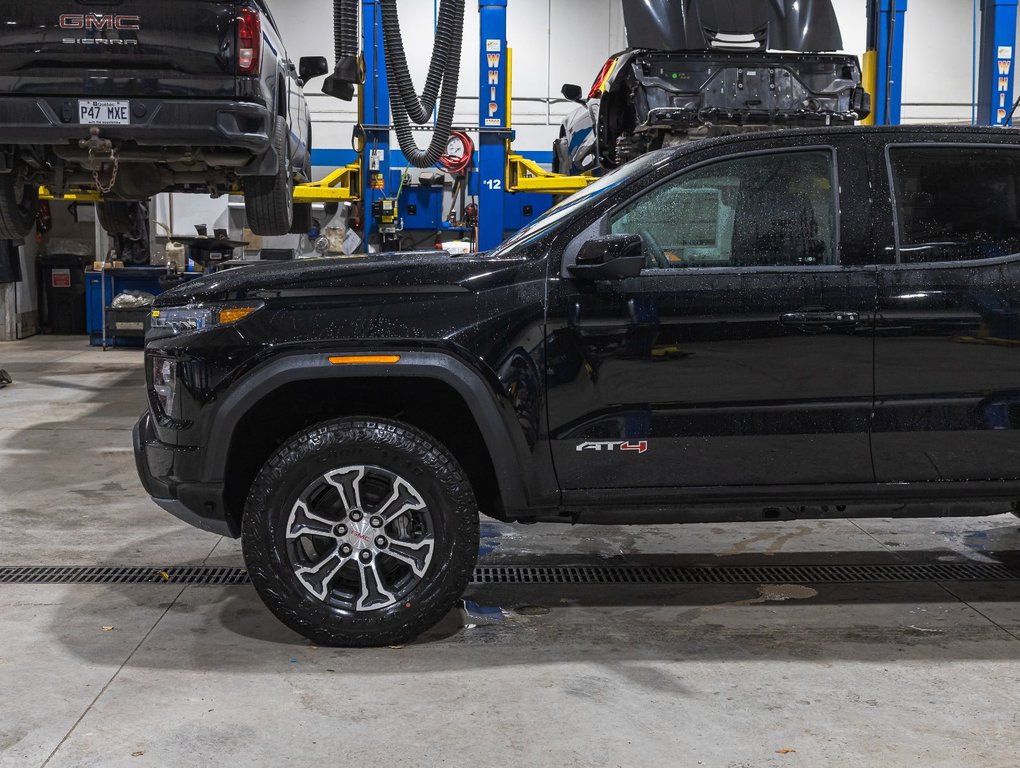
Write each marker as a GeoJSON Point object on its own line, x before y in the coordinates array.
{"type": "Point", "coordinates": [511, 457]}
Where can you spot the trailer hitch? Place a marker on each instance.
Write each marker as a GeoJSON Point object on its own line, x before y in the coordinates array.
{"type": "Point", "coordinates": [98, 146]}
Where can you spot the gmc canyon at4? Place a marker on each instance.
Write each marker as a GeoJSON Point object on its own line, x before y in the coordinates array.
{"type": "Point", "coordinates": [799, 324]}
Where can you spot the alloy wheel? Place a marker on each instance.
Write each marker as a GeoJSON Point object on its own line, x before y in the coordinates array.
{"type": "Point", "coordinates": [360, 538]}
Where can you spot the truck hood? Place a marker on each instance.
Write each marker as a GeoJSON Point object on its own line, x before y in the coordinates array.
{"type": "Point", "coordinates": [808, 26]}
{"type": "Point", "coordinates": [388, 274]}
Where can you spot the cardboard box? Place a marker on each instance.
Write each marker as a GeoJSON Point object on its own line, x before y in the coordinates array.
{"type": "Point", "coordinates": [254, 241]}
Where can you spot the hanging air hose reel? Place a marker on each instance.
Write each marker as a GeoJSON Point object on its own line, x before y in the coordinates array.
{"type": "Point", "coordinates": [407, 107]}
{"type": "Point", "coordinates": [347, 74]}
{"type": "Point", "coordinates": [441, 83]}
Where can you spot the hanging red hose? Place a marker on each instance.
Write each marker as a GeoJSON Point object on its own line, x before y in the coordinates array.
{"type": "Point", "coordinates": [458, 162]}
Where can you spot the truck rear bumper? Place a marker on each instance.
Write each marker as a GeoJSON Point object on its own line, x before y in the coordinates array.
{"type": "Point", "coordinates": [53, 120]}
{"type": "Point", "coordinates": [198, 504]}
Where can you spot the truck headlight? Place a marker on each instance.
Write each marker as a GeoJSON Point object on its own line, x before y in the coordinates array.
{"type": "Point", "coordinates": [190, 319]}
{"type": "Point", "coordinates": [164, 383]}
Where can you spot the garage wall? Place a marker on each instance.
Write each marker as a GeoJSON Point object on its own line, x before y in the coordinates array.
{"type": "Point", "coordinates": [938, 66]}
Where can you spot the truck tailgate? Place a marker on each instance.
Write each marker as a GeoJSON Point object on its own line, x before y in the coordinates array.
{"type": "Point", "coordinates": [184, 48]}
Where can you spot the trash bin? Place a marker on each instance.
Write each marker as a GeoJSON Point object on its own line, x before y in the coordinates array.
{"type": "Point", "coordinates": [62, 293]}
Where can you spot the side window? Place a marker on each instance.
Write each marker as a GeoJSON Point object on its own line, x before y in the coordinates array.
{"type": "Point", "coordinates": [956, 203]}
{"type": "Point", "coordinates": [759, 210]}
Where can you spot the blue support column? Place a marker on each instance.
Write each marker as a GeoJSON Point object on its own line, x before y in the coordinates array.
{"type": "Point", "coordinates": [886, 30]}
{"type": "Point", "coordinates": [997, 57]}
{"type": "Point", "coordinates": [493, 123]}
{"type": "Point", "coordinates": [375, 115]}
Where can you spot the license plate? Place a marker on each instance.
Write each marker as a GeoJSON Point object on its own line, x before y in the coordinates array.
{"type": "Point", "coordinates": [104, 112]}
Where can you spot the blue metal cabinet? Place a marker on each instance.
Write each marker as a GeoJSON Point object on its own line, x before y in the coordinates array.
{"type": "Point", "coordinates": [118, 281]}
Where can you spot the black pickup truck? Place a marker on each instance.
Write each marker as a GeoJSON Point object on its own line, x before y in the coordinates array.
{"type": "Point", "coordinates": [800, 324]}
{"type": "Point", "coordinates": [136, 98]}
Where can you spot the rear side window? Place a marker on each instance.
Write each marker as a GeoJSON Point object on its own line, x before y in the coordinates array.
{"type": "Point", "coordinates": [752, 211]}
{"type": "Point", "coordinates": [956, 203]}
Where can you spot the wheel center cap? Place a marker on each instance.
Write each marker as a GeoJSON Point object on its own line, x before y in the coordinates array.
{"type": "Point", "coordinates": [360, 535]}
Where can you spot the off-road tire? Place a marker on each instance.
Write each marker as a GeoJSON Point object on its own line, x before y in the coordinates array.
{"type": "Point", "coordinates": [116, 217]}
{"type": "Point", "coordinates": [269, 200]}
{"type": "Point", "coordinates": [18, 207]}
{"type": "Point", "coordinates": [396, 447]}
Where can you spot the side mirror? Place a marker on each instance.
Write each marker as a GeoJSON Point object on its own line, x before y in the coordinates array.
{"type": "Point", "coordinates": [573, 93]}
{"type": "Point", "coordinates": [614, 257]}
{"type": "Point", "coordinates": [312, 66]}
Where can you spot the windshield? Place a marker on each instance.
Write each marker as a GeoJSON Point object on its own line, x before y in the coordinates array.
{"type": "Point", "coordinates": [557, 216]}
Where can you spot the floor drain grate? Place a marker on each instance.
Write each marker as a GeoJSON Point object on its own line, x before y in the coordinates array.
{"type": "Point", "coordinates": [86, 574]}
{"type": "Point", "coordinates": [566, 574]}
{"type": "Point", "coordinates": [790, 574]}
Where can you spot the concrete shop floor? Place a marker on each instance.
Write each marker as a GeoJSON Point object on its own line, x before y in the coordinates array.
{"type": "Point", "coordinates": [859, 674]}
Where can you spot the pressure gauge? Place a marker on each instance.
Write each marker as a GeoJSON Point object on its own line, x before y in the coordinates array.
{"type": "Point", "coordinates": [456, 148]}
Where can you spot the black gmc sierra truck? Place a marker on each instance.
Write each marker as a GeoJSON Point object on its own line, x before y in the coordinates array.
{"type": "Point", "coordinates": [800, 324]}
{"type": "Point", "coordinates": [135, 98]}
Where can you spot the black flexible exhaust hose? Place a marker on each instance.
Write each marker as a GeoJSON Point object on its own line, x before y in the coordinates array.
{"type": "Point", "coordinates": [345, 75]}
{"type": "Point", "coordinates": [444, 74]}
{"type": "Point", "coordinates": [338, 28]}
{"type": "Point", "coordinates": [447, 35]}
{"type": "Point", "coordinates": [347, 34]}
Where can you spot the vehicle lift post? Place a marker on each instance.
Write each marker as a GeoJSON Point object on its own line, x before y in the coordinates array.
{"type": "Point", "coordinates": [493, 123]}
{"type": "Point", "coordinates": [883, 61]}
{"type": "Point", "coordinates": [997, 56]}
{"type": "Point", "coordinates": [375, 116]}
{"type": "Point", "coordinates": [493, 119]}
{"type": "Point", "coordinates": [499, 172]}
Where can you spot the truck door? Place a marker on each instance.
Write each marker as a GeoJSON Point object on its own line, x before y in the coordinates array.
{"type": "Point", "coordinates": [741, 356]}
{"type": "Point", "coordinates": [948, 331]}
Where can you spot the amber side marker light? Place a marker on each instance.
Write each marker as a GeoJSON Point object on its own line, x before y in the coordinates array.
{"type": "Point", "coordinates": [365, 360]}
{"type": "Point", "coordinates": [233, 314]}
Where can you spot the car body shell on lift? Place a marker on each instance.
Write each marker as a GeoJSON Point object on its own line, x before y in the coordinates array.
{"type": "Point", "coordinates": [698, 69]}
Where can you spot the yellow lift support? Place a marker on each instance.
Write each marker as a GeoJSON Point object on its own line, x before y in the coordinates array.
{"type": "Point", "coordinates": [74, 195]}
{"type": "Point", "coordinates": [342, 185]}
{"type": "Point", "coordinates": [345, 184]}
{"type": "Point", "coordinates": [524, 175]}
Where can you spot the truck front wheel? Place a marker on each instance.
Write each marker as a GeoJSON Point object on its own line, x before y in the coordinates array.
{"type": "Point", "coordinates": [269, 200]}
{"type": "Point", "coordinates": [361, 532]}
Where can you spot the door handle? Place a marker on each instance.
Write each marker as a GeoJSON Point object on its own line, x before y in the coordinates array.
{"type": "Point", "coordinates": [829, 318]}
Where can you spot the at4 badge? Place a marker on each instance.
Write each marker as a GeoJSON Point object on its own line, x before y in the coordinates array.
{"type": "Point", "coordinates": [640, 446]}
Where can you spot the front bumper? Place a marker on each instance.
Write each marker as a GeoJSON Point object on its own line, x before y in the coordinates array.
{"type": "Point", "coordinates": [53, 120]}
{"type": "Point", "coordinates": [198, 504]}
